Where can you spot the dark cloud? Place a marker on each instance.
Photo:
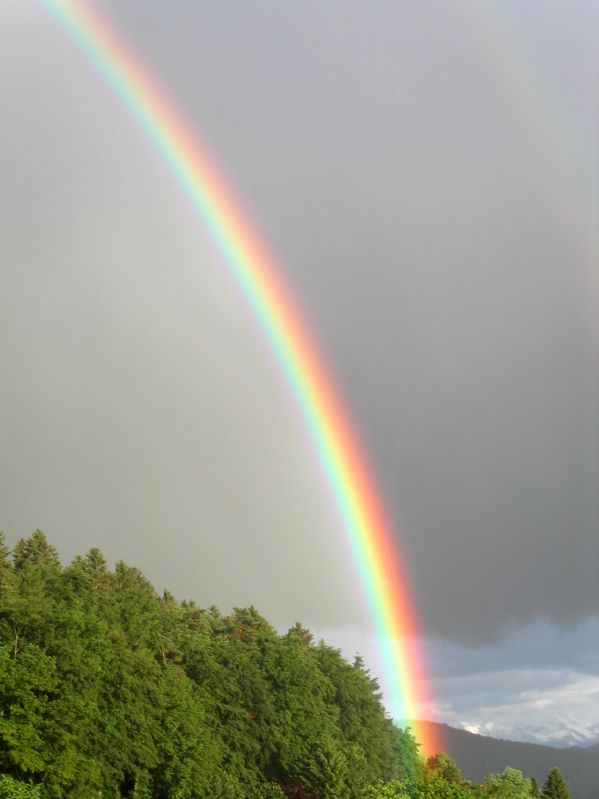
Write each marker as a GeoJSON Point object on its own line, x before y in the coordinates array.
{"type": "Point", "coordinates": [538, 684]}
{"type": "Point", "coordinates": [535, 646]}
{"type": "Point", "coordinates": [442, 256]}
{"type": "Point", "coordinates": [413, 200]}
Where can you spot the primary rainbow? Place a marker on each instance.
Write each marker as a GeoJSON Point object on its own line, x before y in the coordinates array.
{"type": "Point", "coordinates": [368, 530]}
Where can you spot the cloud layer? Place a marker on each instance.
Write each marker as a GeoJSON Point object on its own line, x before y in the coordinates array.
{"type": "Point", "coordinates": [443, 261]}
{"type": "Point", "coordinates": [538, 684]}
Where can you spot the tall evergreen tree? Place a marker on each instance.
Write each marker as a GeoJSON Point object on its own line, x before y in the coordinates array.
{"type": "Point", "coordinates": [326, 769]}
{"type": "Point", "coordinates": [555, 786]}
{"type": "Point", "coordinates": [5, 565]}
{"type": "Point", "coordinates": [407, 761]}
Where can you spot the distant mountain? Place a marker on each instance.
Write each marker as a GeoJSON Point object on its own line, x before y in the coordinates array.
{"type": "Point", "coordinates": [478, 755]}
{"type": "Point", "coordinates": [561, 733]}
{"type": "Point", "coordinates": [592, 746]}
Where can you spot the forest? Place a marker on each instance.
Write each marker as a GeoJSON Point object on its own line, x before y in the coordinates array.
{"type": "Point", "coordinates": [109, 689]}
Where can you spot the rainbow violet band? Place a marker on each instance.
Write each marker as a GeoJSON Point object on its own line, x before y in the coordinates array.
{"type": "Point", "coordinates": [368, 531]}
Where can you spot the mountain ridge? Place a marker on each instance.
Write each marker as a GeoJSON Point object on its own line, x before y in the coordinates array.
{"type": "Point", "coordinates": [561, 734]}
{"type": "Point", "coordinates": [478, 755]}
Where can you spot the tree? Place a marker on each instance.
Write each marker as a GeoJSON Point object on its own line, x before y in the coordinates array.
{"type": "Point", "coordinates": [5, 565]}
{"type": "Point", "coordinates": [269, 790]}
{"type": "Point", "coordinates": [300, 633]}
{"type": "Point", "coordinates": [108, 689]}
{"type": "Point", "coordinates": [441, 779]}
{"type": "Point", "coordinates": [555, 786]}
{"type": "Point", "coordinates": [508, 785]}
{"type": "Point", "coordinates": [436, 787]}
{"type": "Point", "coordinates": [408, 763]}
{"type": "Point", "coordinates": [27, 681]}
{"type": "Point", "coordinates": [361, 717]}
{"type": "Point", "coordinates": [326, 769]}
{"type": "Point", "coordinates": [36, 551]}
{"type": "Point", "coordinates": [444, 766]}
{"type": "Point", "coordinates": [387, 790]}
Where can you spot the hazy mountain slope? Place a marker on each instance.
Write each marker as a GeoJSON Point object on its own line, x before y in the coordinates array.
{"type": "Point", "coordinates": [477, 755]}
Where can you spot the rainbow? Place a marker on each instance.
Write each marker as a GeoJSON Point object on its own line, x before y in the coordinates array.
{"type": "Point", "coordinates": [572, 164]}
{"type": "Point", "coordinates": [369, 532]}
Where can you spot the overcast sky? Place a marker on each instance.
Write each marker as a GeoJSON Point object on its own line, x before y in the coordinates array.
{"type": "Point", "coordinates": [427, 175]}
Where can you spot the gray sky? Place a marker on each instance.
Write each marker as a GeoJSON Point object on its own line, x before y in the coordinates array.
{"type": "Point", "coordinates": [427, 175]}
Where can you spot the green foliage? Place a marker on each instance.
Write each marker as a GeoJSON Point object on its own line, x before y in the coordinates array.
{"type": "Point", "coordinates": [14, 789]}
{"type": "Point", "coordinates": [555, 786]}
{"type": "Point", "coordinates": [441, 779]}
{"type": "Point", "coordinates": [437, 787]}
{"type": "Point", "coordinates": [325, 770]}
{"type": "Point", "coordinates": [269, 790]}
{"type": "Point", "coordinates": [406, 756]}
{"type": "Point", "coordinates": [395, 789]}
{"type": "Point", "coordinates": [508, 785]}
{"type": "Point", "coordinates": [109, 690]}
{"type": "Point", "coordinates": [443, 766]}
{"type": "Point", "coordinates": [27, 681]}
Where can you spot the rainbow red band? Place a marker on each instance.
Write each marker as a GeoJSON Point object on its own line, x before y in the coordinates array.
{"type": "Point", "coordinates": [368, 530]}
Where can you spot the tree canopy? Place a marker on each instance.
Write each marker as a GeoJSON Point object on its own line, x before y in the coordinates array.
{"type": "Point", "coordinates": [109, 689]}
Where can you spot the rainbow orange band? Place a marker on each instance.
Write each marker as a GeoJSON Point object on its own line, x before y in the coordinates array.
{"type": "Point", "coordinates": [368, 530]}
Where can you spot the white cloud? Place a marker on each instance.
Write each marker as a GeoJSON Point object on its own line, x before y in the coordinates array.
{"type": "Point", "coordinates": [537, 684]}
{"type": "Point", "coordinates": [556, 707]}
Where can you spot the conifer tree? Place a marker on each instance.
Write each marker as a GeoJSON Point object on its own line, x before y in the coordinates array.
{"type": "Point", "coordinates": [555, 786]}
{"type": "Point", "coordinates": [109, 689]}
{"type": "Point", "coordinates": [406, 749]}
{"type": "Point", "coordinates": [326, 769]}
{"type": "Point", "coordinates": [5, 566]}
{"type": "Point", "coordinates": [36, 550]}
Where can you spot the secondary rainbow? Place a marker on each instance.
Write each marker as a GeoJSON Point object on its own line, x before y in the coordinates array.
{"type": "Point", "coordinates": [368, 530]}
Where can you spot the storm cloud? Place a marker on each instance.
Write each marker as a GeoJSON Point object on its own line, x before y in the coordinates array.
{"type": "Point", "coordinates": [439, 235]}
